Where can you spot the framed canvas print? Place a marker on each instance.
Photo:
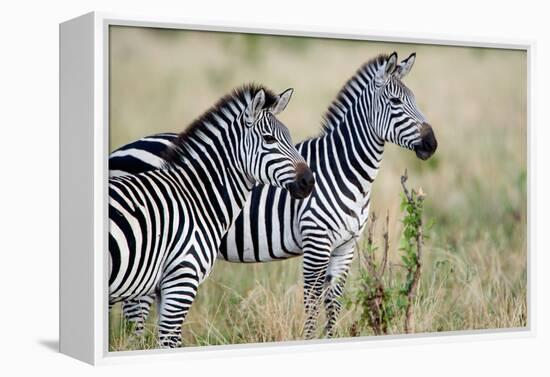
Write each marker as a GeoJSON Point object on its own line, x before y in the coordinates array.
{"type": "Point", "coordinates": [232, 189]}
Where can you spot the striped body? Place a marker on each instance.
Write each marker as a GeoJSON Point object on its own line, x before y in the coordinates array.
{"type": "Point", "coordinates": [159, 218]}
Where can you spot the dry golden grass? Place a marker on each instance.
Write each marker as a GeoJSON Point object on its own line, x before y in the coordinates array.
{"type": "Point", "coordinates": [475, 267]}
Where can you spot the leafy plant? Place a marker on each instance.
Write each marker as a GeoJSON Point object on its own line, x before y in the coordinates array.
{"type": "Point", "coordinates": [383, 299]}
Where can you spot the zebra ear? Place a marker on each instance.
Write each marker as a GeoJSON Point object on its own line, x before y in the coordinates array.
{"type": "Point", "coordinates": [255, 106]}
{"type": "Point", "coordinates": [282, 101]}
{"type": "Point", "coordinates": [386, 69]}
{"type": "Point", "coordinates": [405, 66]}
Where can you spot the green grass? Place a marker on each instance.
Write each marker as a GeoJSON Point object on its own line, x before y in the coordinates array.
{"type": "Point", "coordinates": [475, 261]}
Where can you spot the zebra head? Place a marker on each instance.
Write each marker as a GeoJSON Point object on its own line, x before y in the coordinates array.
{"type": "Point", "coordinates": [395, 114]}
{"type": "Point", "coordinates": [271, 157]}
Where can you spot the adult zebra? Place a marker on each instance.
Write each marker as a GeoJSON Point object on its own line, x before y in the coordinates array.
{"type": "Point", "coordinates": [373, 107]}
{"type": "Point", "coordinates": [166, 225]}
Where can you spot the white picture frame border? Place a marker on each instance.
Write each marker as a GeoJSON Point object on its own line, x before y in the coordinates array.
{"type": "Point", "coordinates": [84, 136]}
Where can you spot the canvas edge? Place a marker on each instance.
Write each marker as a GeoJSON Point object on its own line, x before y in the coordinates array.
{"type": "Point", "coordinates": [76, 190]}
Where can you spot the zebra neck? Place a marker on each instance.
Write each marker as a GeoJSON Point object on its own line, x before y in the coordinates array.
{"type": "Point", "coordinates": [213, 158]}
{"type": "Point", "coordinates": [353, 149]}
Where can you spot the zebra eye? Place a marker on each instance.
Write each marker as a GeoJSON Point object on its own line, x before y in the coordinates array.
{"type": "Point", "coordinates": [395, 101]}
{"type": "Point", "coordinates": [269, 139]}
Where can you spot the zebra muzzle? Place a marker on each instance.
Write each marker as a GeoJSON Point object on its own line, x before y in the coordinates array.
{"type": "Point", "coordinates": [304, 182]}
{"type": "Point", "coordinates": [428, 143]}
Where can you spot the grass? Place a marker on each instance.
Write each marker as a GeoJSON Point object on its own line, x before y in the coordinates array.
{"type": "Point", "coordinates": [475, 261]}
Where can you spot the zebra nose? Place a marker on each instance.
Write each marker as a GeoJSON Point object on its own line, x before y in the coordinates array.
{"type": "Point", "coordinates": [306, 179]}
{"type": "Point", "coordinates": [304, 182]}
{"type": "Point", "coordinates": [428, 144]}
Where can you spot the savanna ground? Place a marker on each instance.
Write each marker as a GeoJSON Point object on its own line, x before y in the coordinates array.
{"type": "Point", "coordinates": [475, 260]}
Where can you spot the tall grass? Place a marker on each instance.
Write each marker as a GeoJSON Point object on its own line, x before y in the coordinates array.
{"type": "Point", "coordinates": [475, 260]}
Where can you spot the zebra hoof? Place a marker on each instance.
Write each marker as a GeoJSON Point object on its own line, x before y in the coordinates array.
{"type": "Point", "coordinates": [172, 342]}
{"type": "Point", "coordinates": [139, 332]}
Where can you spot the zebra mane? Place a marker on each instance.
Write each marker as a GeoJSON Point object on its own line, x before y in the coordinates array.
{"type": "Point", "coordinates": [333, 115]}
{"type": "Point", "coordinates": [237, 97]}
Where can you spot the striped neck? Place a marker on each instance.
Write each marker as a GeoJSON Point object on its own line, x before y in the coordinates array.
{"type": "Point", "coordinates": [356, 149]}
{"type": "Point", "coordinates": [213, 152]}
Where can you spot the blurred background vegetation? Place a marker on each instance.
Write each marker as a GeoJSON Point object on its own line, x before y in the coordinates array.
{"type": "Point", "coordinates": [475, 261]}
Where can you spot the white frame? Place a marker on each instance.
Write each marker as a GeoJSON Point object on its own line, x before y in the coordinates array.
{"type": "Point", "coordinates": [84, 132]}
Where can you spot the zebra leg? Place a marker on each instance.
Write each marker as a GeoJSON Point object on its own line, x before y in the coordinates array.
{"type": "Point", "coordinates": [337, 274]}
{"type": "Point", "coordinates": [315, 263]}
{"type": "Point", "coordinates": [137, 310]}
{"type": "Point", "coordinates": [177, 293]}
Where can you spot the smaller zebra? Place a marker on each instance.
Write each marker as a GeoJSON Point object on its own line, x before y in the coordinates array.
{"type": "Point", "coordinates": [166, 225]}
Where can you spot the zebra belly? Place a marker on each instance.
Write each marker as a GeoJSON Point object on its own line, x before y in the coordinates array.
{"type": "Point", "coordinates": [137, 272]}
{"type": "Point", "coordinates": [140, 243]}
{"type": "Point", "coordinates": [264, 231]}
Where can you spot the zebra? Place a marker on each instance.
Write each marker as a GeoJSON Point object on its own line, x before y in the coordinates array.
{"type": "Point", "coordinates": [372, 108]}
{"type": "Point", "coordinates": [166, 224]}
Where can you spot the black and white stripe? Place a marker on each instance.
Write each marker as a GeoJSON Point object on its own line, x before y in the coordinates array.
{"type": "Point", "coordinates": [140, 156]}
{"type": "Point", "coordinates": [166, 224]}
{"type": "Point", "coordinates": [374, 107]}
